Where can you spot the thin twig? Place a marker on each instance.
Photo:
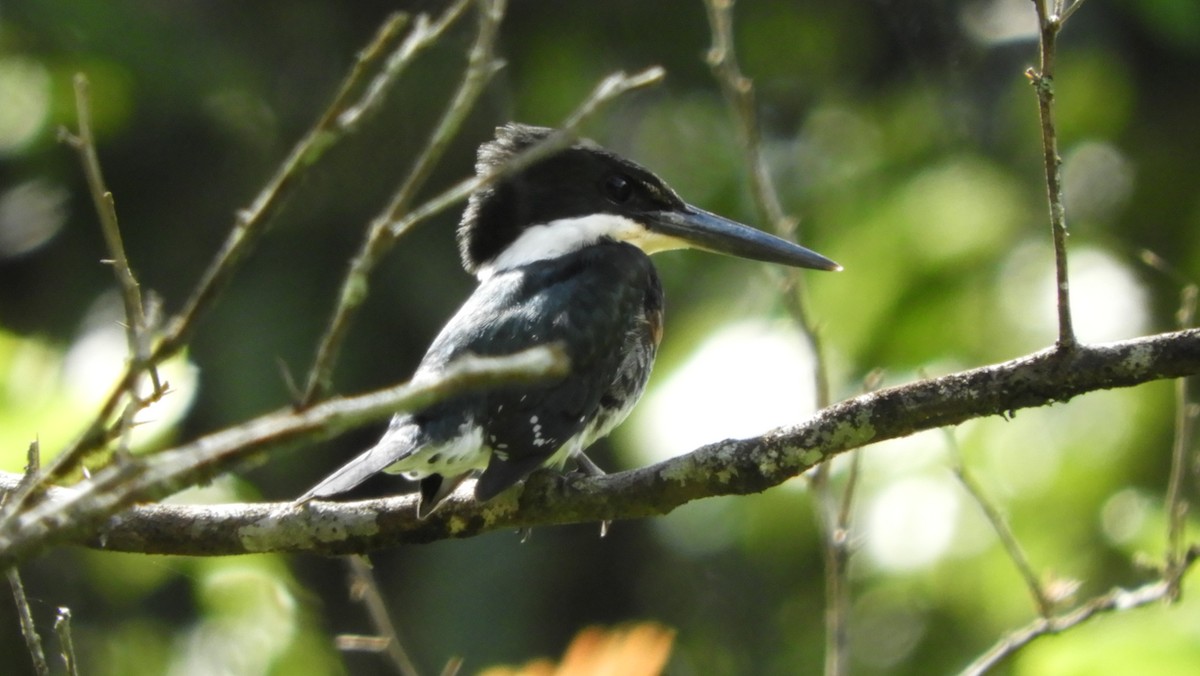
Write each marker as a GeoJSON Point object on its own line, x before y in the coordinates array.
{"type": "Point", "coordinates": [131, 295]}
{"type": "Point", "coordinates": [423, 35]}
{"type": "Point", "coordinates": [1185, 426]}
{"type": "Point", "coordinates": [738, 91]}
{"type": "Point", "coordinates": [837, 550]}
{"type": "Point", "coordinates": [1042, 78]}
{"type": "Point", "coordinates": [62, 627]}
{"type": "Point", "coordinates": [364, 588]}
{"type": "Point", "coordinates": [833, 522]}
{"type": "Point", "coordinates": [608, 90]}
{"type": "Point", "coordinates": [391, 225]}
{"type": "Point", "coordinates": [33, 642]}
{"type": "Point", "coordinates": [1114, 601]}
{"type": "Point", "coordinates": [252, 222]}
{"type": "Point", "coordinates": [482, 64]}
{"type": "Point", "coordinates": [1070, 9]}
{"type": "Point", "coordinates": [1016, 553]}
{"type": "Point", "coordinates": [739, 94]}
{"type": "Point", "coordinates": [138, 328]}
{"type": "Point", "coordinates": [33, 464]}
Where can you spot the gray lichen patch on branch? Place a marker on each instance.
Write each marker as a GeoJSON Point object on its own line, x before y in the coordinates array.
{"type": "Point", "coordinates": [278, 529]}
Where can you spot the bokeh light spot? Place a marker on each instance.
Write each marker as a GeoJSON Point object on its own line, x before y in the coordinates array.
{"type": "Point", "coordinates": [911, 522]}
{"type": "Point", "coordinates": [31, 213]}
{"type": "Point", "coordinates": [25, 91]}
{"type": "Point", "coordinates": [744, 380]}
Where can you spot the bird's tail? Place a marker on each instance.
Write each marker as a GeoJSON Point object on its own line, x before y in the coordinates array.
{"type": "Point", "coordinates": [392, 448]}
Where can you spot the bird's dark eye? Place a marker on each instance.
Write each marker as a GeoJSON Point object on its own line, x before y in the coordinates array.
{"type": "Point", "coordinates": [619, 188]}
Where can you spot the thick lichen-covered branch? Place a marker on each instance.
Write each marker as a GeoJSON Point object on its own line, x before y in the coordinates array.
{"type": "Point", "coordinates": [723, 468]}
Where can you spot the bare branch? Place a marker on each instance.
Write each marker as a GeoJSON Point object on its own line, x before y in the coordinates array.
{"type": "Point", "coordinates": [1042, 79]}
{"type": "Point", "coordinates": [364, 588]}
{"type": "Point", "coordinates": [33, 642]}
{"type": "Point", "coordinates": [1177, 503]}
{"type": "Point", "coordinates": [1043, 601]}
{"type": "Point", "coordinates": [833, 522]}
{"type": "Point", "coordinates": [739, 94]}
{"type": "Point", "coordinates": [249, 227]}
{"type": "Point", "coordinates": [135, 318]}
{"type": "Point", "coordinates": [423, 35]}
{"type": "Point", "coordinates": [833, 514]}
{"type": "Point", "coordinates": [481, 65]}
{"type": "Point", "coordinates": [62, 627]}
{"type": "Point", "coordinates": [1071, 6]}
{"type": "Point", "coordinates": [725, 468]}
{"type": "Point", "coordinates": [608, 90]}
{"type": "Point", "coordinates": [1114, 601]}
{"type": "Point", "coordinates": [253, 221]}
{"type": "Point", "coordinates": [137, 329]}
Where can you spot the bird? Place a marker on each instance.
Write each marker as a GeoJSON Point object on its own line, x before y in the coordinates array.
{"type": "Point", "coordinates": [561, 249]}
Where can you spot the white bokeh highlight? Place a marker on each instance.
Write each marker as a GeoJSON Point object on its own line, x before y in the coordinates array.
{"type": "Point", "coordinates": [745, 379]}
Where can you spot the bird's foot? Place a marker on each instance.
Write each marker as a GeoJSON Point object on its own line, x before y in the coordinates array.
{"type": "Point", "coordinates": [588, 468]}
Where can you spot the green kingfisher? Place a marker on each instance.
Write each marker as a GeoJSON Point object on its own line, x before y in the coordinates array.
{"type": "Point", "coordinates": [561, 251]}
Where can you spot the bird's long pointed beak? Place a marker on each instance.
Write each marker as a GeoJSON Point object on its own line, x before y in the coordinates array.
{"type": "Point", "coordinates": [700, 229]}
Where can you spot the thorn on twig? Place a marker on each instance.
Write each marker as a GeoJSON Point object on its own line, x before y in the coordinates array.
{"type": "Point", "coordinates": [33, 466]}
{"type": "Point", "coordinates": [65, 136]}
{"type": "Point", "coordinates": [33, 457]}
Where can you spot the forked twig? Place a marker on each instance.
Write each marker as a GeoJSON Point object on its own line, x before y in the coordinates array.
{"type": "Point", "coordinates": [364, 588]}
{"type": "Point", "coordinates": [608, 90]}
{"type": "Point", "coordinates": [423, 35]}
{"type": "Point", "coordinates": [248, 228]}
{"type": "Point", "coordinates": [481, 65]}
{"type": "Point", "coordinates": [1116, 600]}
{"type": "Point", "coordinates": [84, 143]}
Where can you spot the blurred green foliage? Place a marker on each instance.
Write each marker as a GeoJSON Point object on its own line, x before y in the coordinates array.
{"type": "Point", "coordinates": [904, 136]}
